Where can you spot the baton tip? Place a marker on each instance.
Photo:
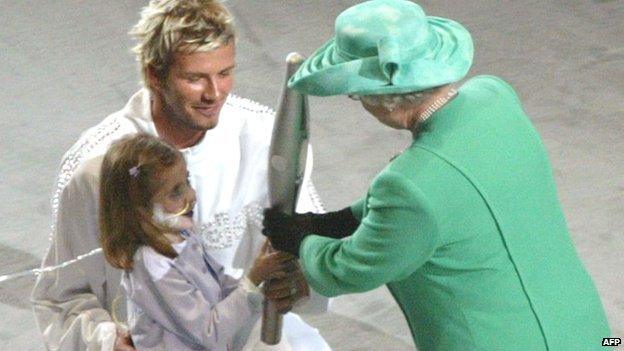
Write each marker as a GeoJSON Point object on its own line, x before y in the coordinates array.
{"type": "Point", "coordinates": [294, 58]}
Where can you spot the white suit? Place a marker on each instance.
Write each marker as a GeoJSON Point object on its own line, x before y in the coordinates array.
{"type": "Point", "coordinates": [228, 169]}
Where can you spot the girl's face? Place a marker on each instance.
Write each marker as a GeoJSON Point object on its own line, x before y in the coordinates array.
{"type": "Point", "coordinates": [175, 197]}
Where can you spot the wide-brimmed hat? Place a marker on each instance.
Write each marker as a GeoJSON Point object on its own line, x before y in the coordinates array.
{"type": "Point", "coordinates": [386, 47]}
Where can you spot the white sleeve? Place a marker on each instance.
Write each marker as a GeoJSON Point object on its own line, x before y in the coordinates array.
{"type": "Point", "coordinates": [69, 313]}
{"type": "Point", "coordinates": [309, 200]}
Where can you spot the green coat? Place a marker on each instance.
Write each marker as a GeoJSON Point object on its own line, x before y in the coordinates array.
{"type": "Point", "coordinates": [466, 230]}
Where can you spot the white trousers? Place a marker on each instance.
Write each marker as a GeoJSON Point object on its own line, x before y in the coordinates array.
{"type": "Point", "coordinates": [297, 335]}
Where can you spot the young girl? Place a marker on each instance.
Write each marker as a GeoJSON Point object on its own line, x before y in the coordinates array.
{"type": "Point", "coordinates": [178, 296]}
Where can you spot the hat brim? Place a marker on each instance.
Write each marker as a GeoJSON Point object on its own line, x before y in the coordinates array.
{"type": "Point", "coordinates": [326, 73]}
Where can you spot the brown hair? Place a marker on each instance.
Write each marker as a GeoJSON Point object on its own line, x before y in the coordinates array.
{"type": "Point", "coordinates": [128, 181]}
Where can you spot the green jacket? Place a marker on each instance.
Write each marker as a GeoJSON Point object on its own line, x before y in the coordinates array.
{"type": "Point", "coordinates": [466, 230]}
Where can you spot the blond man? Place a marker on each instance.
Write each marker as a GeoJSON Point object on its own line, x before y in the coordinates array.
{"type": "Point", "coordinates": [186, 51]}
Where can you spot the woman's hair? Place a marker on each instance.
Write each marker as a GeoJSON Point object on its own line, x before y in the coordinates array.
{"type": "Point", "coordinates": [391, 101]}
{"type": "Point", "coordinates": [129, 178]}
{"type": "Point", "coordinates": [170, 26]}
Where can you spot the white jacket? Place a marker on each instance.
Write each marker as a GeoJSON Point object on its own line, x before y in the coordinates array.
{"type": "Point", "coordinates": [188, 302]}
{"type": "Point", "coordinates": [228, 170]}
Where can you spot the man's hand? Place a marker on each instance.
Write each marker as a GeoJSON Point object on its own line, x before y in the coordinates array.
{"type": "Point", "coordinates": [286, 292]}
{"type": "Point", "coordinates": [123, 341]}
{"type": "Point", "coordinates": [270, 265]}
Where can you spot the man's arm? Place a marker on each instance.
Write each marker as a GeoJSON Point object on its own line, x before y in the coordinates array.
{"type": "Point", "coordinates": [68, 302]}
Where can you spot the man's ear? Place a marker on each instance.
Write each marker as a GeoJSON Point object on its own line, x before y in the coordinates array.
{"type": "Point", "coordinates": [154, 80]}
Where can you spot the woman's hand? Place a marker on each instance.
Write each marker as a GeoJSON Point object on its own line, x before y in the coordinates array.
{"type": "Point", "coordinates": [286, 232]}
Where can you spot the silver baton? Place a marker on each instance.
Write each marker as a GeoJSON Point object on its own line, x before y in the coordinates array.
{"type": "Point", "coordinates": [287, 160]}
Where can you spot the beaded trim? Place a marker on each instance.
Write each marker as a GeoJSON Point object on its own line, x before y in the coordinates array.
{"type": "Point", "coordinates": [74, 158]}
{"type": "Point", "coordinates": [316, 198]}
{"type": "Point", "coordinates": [78, 151]}
{"type": "Point", "coordinates": [250, 105]}
{"type": "Point", "coordinates": [439, 102]}
{"type": "Point", "coordinates": [223, 230]}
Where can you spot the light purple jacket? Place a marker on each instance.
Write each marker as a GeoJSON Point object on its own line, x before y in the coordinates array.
{"type": "Point", "coordinates": [187, 303]}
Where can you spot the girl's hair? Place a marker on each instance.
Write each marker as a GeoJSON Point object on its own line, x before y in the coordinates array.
{"type": "Point", "coordinates": [129, 178]}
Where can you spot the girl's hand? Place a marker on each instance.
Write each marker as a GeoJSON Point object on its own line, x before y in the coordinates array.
{"type": "Point", "coordinates": [270, 265]}
{"type": "Point", "coordinates": [123, 341]}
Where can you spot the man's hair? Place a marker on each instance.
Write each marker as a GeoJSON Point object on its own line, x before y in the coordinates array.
{"type": "Point", "coordinates": [170, 26]}
{"type": "Point", "coordinates": [129, 178]}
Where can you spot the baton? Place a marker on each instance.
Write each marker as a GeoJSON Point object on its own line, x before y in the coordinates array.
{"type": "Point", "coordinates": [287, 160]}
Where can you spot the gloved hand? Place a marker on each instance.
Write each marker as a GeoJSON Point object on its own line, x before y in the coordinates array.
{"type": "Point", "coordinates": [286, 232]}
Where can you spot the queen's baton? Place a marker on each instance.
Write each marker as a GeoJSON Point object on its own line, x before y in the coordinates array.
{"type": "Point", "coordinates": [287, 159]}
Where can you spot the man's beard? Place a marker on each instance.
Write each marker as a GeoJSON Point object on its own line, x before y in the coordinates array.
{"type": "Point", "coordinates": [177, 115]}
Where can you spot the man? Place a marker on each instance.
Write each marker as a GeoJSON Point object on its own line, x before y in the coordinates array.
{"type": "Point", "coordinates": [186, 51]}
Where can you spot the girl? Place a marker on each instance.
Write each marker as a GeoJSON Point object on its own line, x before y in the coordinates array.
{"type": "Point", "coordinates": [178, 296]}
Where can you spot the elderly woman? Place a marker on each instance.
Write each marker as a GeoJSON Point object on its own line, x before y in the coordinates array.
{"type": "Point", "coordinates": [464, 227]}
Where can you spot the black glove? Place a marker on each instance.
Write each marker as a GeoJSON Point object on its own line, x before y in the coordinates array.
{"type": "Point", "coordinates": [286, 232]}
{"type": "Point", "coordinates": [337, 224]}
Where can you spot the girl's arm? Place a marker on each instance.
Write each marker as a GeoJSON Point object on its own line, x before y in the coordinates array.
{"type": "Point", "coordinates": [179, 307]}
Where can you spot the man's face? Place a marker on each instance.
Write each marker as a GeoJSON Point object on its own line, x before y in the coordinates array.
{"type": "Point", "coordinates": [196, 87]}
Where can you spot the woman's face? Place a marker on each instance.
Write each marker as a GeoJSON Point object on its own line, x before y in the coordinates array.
{"type": "Point", "coordinates": [397, 118]}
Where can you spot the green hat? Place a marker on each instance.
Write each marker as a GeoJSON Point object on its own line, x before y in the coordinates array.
{"type": "Point", "coordinates": [386, 47]}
